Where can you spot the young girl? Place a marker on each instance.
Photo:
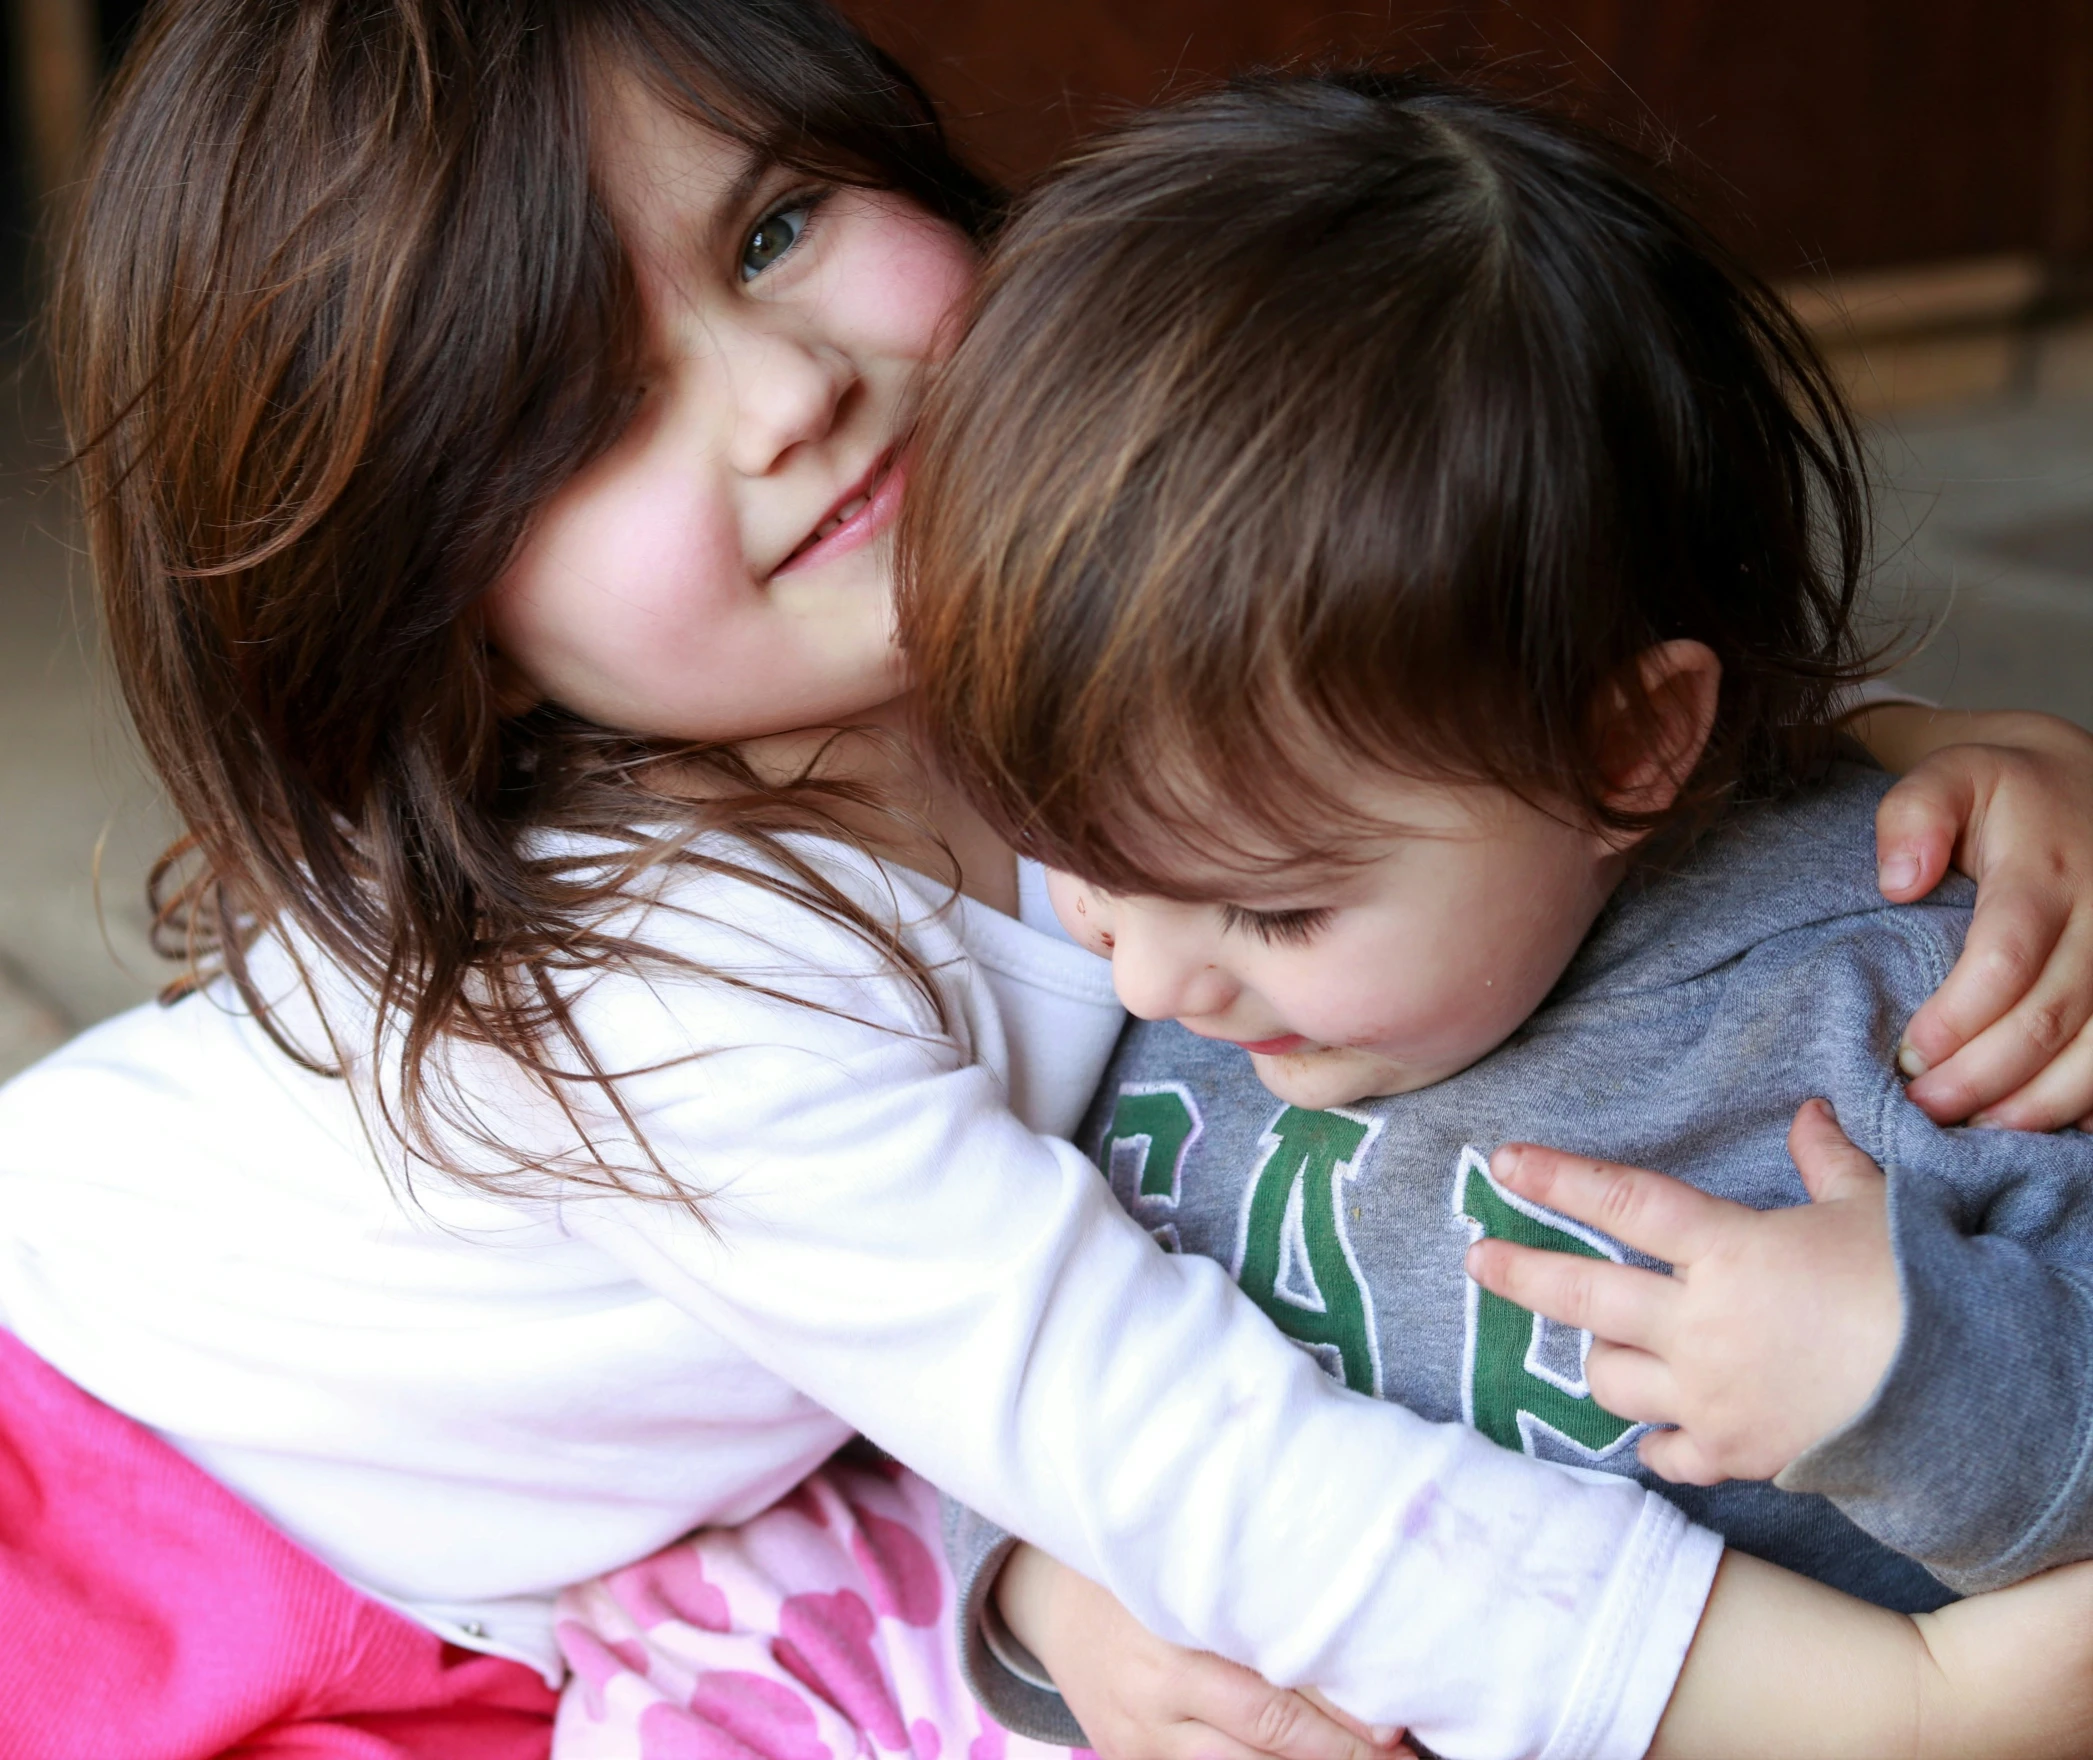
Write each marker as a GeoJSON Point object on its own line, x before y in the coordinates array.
{"type": "Point", "coordinates": [584, 1114]}
{"type": "Point", "coordinates": [1381, 550]}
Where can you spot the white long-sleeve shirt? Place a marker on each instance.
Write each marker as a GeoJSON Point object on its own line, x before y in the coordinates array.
{"type": "Point", "coordinates": [463, 1402]}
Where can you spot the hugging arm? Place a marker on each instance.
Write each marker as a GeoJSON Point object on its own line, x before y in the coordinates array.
{"type": "Point", "coordinates": [1783, 1665]}
{"type": "Point", "coordinates": [1780, 1665]}
{"type": "Point", "coordinates": [891, 1250]}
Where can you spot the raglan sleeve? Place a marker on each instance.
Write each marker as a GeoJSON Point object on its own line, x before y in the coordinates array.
{"type": "Point", "coordinates": [875, 1228]}
{"type": "Point", "coordinates": [1975, 1454]}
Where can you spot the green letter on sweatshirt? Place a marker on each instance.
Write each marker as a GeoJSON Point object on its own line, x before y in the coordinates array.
{"type": "Point", "coordinates": [1157, 1121]}
{"type": "Point", "coordinates": [1506, 1379]}
{"type": "Point", "coordinates": [1294, 1258]}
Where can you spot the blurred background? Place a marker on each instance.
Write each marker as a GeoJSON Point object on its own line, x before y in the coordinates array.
{"type": "Point", "coordinates": [1917, 175]}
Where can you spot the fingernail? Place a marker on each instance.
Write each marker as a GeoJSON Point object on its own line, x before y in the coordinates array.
{"type": "Point", "coordinates": [1504, 1164]}
{"type": "Point", "coordinates": [1985, 1121]}
{"type": "Point", "coordinates": [1900, 871]}
{"type": "Point", "coordinates": [1911, 1062]}
{"type": "Point", "coordinates": [1385, 1735]}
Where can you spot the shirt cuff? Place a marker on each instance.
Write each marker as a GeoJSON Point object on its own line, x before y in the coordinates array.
{"type": "Point", "coordinates": [1646, 1625]}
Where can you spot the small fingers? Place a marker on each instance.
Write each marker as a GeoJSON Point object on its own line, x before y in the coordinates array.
{"type": "Point", "coordinates": [1651, 1212]}
{"type": "Point", "coordinates": [1387, 1741]}
{"type": "Point", "coordinates": [1188, 1740]}
{"type": "Point", "coordinates": [1632, 1384]}
{"type": "Point", "coordinates": [1677, 1456]}
{"type": "Point", "coordinates": [1621, 1303]}
{"type": "Point", "coordinates": [2002, 992]}
{"type": "Point", "coordinates": [1830, 1164]}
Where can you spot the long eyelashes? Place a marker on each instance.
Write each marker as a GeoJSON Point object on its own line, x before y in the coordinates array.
{"type": "Point", "coordinates": [780, 232]}
{"type": "Point", "coordinates": [1280, 928]}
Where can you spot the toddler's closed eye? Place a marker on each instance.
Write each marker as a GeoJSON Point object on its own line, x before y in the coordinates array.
{"type": "Point", "coordinates": [1293, 928]}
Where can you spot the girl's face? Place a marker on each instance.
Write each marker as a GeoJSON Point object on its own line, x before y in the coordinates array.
{"type": "Point", "coordinates": [722, 572]}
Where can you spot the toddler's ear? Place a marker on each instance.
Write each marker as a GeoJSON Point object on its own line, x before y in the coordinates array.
{"type": "Point", "coordinates": [1648, 750]}
{"type": "Point", "coordinates": [1083, 912]}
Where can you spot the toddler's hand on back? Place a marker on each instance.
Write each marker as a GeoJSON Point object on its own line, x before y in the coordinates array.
{"type": "Point", "coordinates": [1772, 1329]}
{"type": "Point", "coordinates": [2005, 1041]}
{"type": "Point", "coordinates": [1139, 1698]}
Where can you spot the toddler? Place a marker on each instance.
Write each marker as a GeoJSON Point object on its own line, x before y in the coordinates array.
{"type": "Point", "coordinates": [1402, 576]}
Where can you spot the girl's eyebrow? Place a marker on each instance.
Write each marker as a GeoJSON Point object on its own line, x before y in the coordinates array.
{"type": "Point", "coordinates": [734, 201]}
{"type": "Point", "coordinates": [755, 167]}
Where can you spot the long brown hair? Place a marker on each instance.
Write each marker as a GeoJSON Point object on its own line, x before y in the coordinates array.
{"type": "Point", "coordinates": [1367, 413]}
{"type": "Point", "coordinates": [339, 309]}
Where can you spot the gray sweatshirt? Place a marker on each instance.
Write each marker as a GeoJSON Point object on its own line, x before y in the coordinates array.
{"type": "Point", "coordinates": [1707, 1004]}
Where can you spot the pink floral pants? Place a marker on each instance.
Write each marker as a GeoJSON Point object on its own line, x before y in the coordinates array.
{"type": "Point", "coordinates": [820, 1630]}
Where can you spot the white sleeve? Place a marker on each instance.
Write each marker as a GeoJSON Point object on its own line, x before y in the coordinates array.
{"type": "Point", "coordinates": [882, 1233]}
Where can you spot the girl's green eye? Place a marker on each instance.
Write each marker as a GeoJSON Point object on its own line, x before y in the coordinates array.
{"type": "Point", "coordinates": [775, 235]}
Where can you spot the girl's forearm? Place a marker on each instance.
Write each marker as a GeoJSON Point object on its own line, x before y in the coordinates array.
{"type": "Point", "coordinates": [1783, 1665]}
{"type": "Point", "coordinates": [1900, 736]}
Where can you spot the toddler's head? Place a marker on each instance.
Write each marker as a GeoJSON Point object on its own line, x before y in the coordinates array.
{"type": "Point", "coordinates": [1364, 517]}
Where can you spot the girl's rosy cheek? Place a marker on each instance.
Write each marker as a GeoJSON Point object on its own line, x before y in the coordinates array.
{"type": "Point", "coordinates": [905, 278]}
{"type": "Point", "coordinates": [637, 538]}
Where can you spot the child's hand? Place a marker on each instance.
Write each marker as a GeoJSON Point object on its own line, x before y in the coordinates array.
{"type": "Point", "coordinates": [1139, 1698]}
{"type": "Point", "coordinates": [1772, 1329]}
{"type": "Point", "coordinates": [2005, 1040]}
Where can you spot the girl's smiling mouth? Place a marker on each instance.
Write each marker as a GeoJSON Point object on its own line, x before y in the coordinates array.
{"type": "Point", "coordinates": [864, 510]}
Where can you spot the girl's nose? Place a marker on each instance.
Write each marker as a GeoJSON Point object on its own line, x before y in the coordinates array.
{"type": "Point", "coordinates": [1160, 977]}
{"type": "Point", "coordinates": [785, 393]}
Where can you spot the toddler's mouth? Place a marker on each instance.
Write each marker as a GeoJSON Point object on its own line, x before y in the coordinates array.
{"type": "Point", "coordinates": [1279, 1047]}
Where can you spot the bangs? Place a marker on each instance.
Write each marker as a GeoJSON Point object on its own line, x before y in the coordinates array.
{"type": "Point", "coordinates": [800, 87]}
{"type": "Point", "coordinates": [1196, 827]}
{"type": "Point", "coordinates": [1098, 748]}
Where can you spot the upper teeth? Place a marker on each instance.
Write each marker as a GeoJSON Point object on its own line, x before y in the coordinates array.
{"type": "Point", "coordinates": [848, 511]}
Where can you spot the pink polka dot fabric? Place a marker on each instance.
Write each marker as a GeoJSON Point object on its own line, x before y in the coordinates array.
{"type": "Point", "coordinates": [821, 1630]}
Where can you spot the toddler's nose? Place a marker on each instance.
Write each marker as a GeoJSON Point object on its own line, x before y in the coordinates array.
{"type": "Point", "coordinates": [1158, 980]}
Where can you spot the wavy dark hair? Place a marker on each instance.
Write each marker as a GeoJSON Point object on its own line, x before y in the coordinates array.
{"type": "Point", "coordinates": [1366, 411]}
{"type": "Point", "coordinates": [339, 309]}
